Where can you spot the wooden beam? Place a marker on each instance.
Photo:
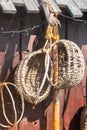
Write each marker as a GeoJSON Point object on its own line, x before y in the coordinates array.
{"type": "Point", "coordinates": [58, 10]}
{"type": "Point", "coordinates": [18, 2]}
{"type": "Point", "coordinates": [31, 6]}
{"type": "Point", "coordinates": [82, 4]}
{"type": "Point", "coordinates": [60, 3]}
{"type": "Point", "coordinates": [37, 3]}
{"type": "Point", "coordinates": [73, 9]}
{"type": "Point", "coordinates": [8, 7]}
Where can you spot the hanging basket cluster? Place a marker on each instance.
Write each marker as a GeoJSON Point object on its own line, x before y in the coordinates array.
{"type": "Point", "coordinates": [34, 75]}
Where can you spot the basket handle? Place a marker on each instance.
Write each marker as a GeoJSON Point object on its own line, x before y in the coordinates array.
{"type": "Point", "coordinates": [48, 51]}
{"type": "Point", "coordinates": [46, 72]}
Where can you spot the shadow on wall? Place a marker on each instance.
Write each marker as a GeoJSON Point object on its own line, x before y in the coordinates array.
{"type": "Point", "coordinates": [75, 122]}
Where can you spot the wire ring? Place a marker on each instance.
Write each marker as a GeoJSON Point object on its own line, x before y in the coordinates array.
{"type": "Point", "coordinates": [5, 84]}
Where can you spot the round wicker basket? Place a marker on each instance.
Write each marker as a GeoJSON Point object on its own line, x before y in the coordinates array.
{"type": "Point", "coordinates": [71, 64]}
{"type": "Point", "coordinates": [30, 76]}
{"type": "Point", "coordinates": [83, 119]}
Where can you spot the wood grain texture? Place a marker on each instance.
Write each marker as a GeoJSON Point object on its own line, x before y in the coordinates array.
{"type": "Point", "coordinates": [18, 2]}
{"type": "Point", "coordinates": [31, 6]}
{"type": "Point", "coordinates": [74, 99]}
{"type": "Point", "coordinates": [9, 45]}
{"type": "Point", "coordinates": [61, 3]}
{"type": "Point", "coordinates": [74, 9]}
{"type": "Point", "coordinates": [82, 4]}
{"type": "Point", "coordinates": [8, 7]}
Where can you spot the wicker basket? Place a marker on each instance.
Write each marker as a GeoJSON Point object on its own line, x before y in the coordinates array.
{"type": "Point", "coordinates": [71, 64]}
{"type": "Point", "coordinates": [30, 76]}
{"type": "Point", "coordinates": [83, 119]}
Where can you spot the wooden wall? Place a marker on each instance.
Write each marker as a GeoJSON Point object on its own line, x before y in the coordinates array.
{"type": "Point", "coordinates": [14, 47]}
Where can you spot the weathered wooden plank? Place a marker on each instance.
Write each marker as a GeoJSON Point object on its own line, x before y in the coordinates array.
{"type": "Point", "coordinates": [31, 6]}
{"type": "Point", "coordinates": [58, 10]}
{"type": "Point", "coordinates": [77, 32]}
{"type": "Point", "coordinates": [37, 3]}
{"type": "Point", "coordinates": [8, 7]}
{"type": "Point", "coordinates": [74, 103]}
{"type": "Point", "coordinates": [74, 99]}
{"type": "Point", "coordinates": [82, 4]}
{"type": "Point", "coordinates": [73, 9]}
{"type": "Point", "coordinates": [28, 37]}
{"type": "Point", "coordinates": [18, 2]}
{"type": "Point", "coordinates": [61, 3]}
{"type": "Point", "coordinates": [49, 116]}
{"type": "Point", "coordinates": [9, 45]}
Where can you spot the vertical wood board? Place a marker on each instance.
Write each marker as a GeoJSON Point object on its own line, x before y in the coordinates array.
{"type": "Point", "coordinates": [9, 44]}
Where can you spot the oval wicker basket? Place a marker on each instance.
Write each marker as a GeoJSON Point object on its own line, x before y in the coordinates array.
{"type": "Point", "coordinates": [83, 119]}
{"type": "Point", "coordinates": [71, 64]}
{"type": "Point", "coordinates": [30, 76]}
